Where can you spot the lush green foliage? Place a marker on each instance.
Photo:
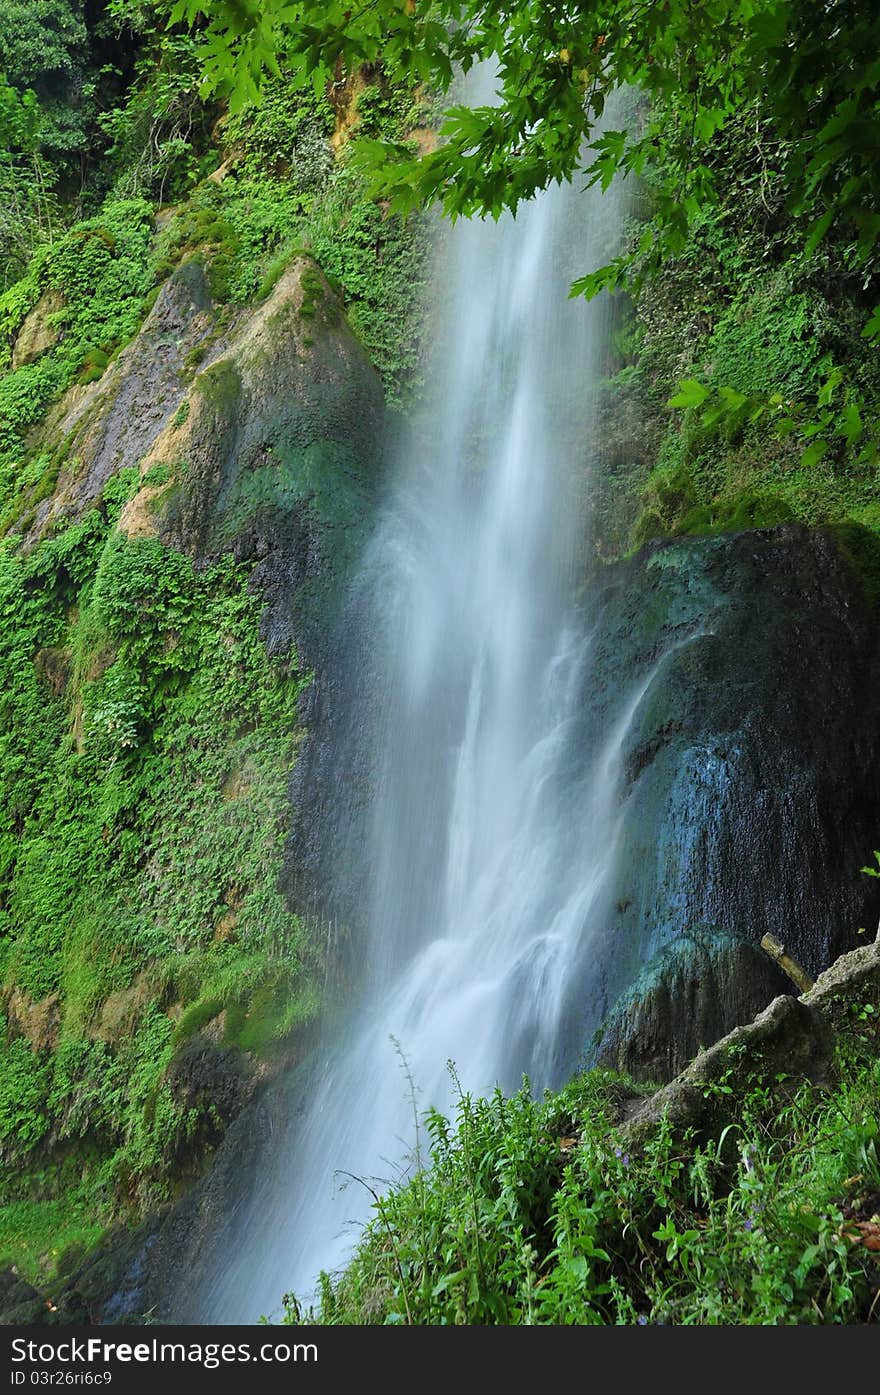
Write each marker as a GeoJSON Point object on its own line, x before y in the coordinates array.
{"type": "Point", "coordinates": [39, 1233]}
{"type": "Point", "coordinates": [44, 50]}
{"type": "Point", "coordinates": [381, 264]}
{"type": "Point", "coordinates": [29, 205]}
{"type": "Point", "coordinates": [540, 1211]}
{"type": "Point", "coordinates": [146, 738]}
{"type": "Point", "coordinates": [779, 393]}
{"type": "Point", "coordinates": [812, 67]}
{"type": "Point", "coordinates": [146, 952]}
{"type": "Point", "coordinates": [60, 67]}
{"type": "Point", "coordinates": [156, 130]}
{"type": "Point", "coordinates": [146, 747]}
{"type": "Point", "coordinates": [803, 75]}
{"type": "Point", "coordinates": [284, 191]}
{"type": "Point", "coordinates": [98, 277]}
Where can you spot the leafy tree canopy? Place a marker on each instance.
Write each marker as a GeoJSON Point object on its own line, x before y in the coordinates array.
{"type": "Point", "coordinates": [809, 68]}
{"type": "Point", "coordinates": [44, 49]}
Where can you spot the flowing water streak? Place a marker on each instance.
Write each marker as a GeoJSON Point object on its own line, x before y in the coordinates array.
{"type": "Point", "coordinates": [488, 841]}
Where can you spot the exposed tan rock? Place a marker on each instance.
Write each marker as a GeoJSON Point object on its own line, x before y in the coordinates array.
{"type": "Point", "coordinates": [861, 966]}
{"type": "Point", "coordinates": [343, 95]}
{"type": "Point", "coordinates": [122, 1011]}
{"type": "Point", "coordinates": [224, 930]}
{"type": "Point", "coordinates": [38, 333]}
{"type": "Point", "coordinates": [237, 785]}
{"type": "Point", "coordinates": [426, 138]}
{"type": "Point", "coordinates": [54, 665]}
{"type": "Point", "coordinates": [112, 423]}
{"type": "Point", "coordinates": [218, 175]}
{"type": "Point", "coordinates": [38, 1022]}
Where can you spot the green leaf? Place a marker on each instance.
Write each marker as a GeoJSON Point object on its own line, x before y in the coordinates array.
{"type": "Point", "coordinates": [852, 427]}
{"type": "Point", "coordinates": [819, 229]}
{"type": "Point", "coordinates": [872, 328]}
{"type": "Point", "coordinates": [813, 454]}
{"type": "Point", "coordinates": [605, 279]}
{"type": "Point", "coordinates": [830, 386]}
{"type": "Point", "coordinates": [690, 394]}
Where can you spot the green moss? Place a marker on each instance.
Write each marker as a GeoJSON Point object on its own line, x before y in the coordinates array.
{"type": "Point", "coordinates": [194, 357]}
{"type": "Point", "coordinates": [313, 293]}
{"type": "Point", "coordinates": [671, 507]}
{"type": "Point", "coordinates": [262, 1003]}
{"type": "Point", "coordinates": [272, 1015]}
{"type": "Point", "coordinates": [34, 1234]}
{"type": "Point", "coordinates": [860, 545]}
{"type": "Point", "coordinates": [197, 1016]}
{"type": "Point", "coordinates": [36, 482]}
{"type": "Point", "coordinates": [101, 268]}
{"type": "Point", "coordinates": [733, 515]}
{"type": "Point", "coordinates": [200, 227]}
{"type": "Point", "coordinates": [92, 366]}
{"type": "Point", "coordinates": [667, 498]}
{"type": "Point", "coordinates": [45, 486]}
{"type": "Point", "coordinates": [152, 295]}
{"type": "Point", "coordinates": [276, 269]}
{"type": "Point", "coordinates": [220, 387]}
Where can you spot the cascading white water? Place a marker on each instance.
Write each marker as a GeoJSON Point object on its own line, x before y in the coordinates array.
{"type": "Point", "coordinates": [485, 854]}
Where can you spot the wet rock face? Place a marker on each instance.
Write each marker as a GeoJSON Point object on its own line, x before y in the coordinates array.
{"type": "Point", "coordinates": [794, 1036]}
{"type": "Point", "coordinates": [684, 992]}
{"type": "Point", "coordinates": [750, 783]}
{"type": "Point", "coordinates": [188, 1252]}
{"type": "Point", "coordinates": [19, 1301]}
{"type": "Point", "coordinates": [274, 454]}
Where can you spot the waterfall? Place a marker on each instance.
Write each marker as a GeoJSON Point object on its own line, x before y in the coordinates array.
{"type": "Point", "coordinates": [488, 838]}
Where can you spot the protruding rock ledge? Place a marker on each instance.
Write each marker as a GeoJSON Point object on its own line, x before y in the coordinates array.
{"type": "Point", "coordinates": [792, 1037]}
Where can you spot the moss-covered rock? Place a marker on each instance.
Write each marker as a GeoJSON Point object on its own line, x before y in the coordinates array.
{"type": "Point", "coordinates": [108, 425]}
{"type": "Point", "coordinates": [276, 457]}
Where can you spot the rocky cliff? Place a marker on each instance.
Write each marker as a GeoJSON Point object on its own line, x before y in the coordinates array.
{"type": "Point", "coordinates": [170, 606]}
{"type": "Point", "coordinates": [750, 784]}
